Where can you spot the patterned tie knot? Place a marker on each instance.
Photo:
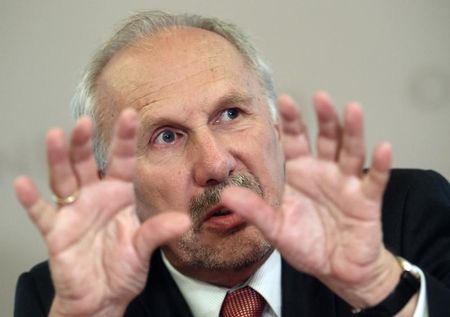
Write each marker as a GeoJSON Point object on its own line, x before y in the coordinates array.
{"type": "Point", "coordinates": [244, 302]}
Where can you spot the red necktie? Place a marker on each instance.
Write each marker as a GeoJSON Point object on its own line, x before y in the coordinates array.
{"type": "Point", "coordinates": [244, 302]}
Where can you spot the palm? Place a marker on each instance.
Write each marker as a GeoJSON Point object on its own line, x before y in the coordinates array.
{"type": "Point", "coordinates": [95, 235]}
{"type": "Point", "coordinates": [98, 250]}
{"type": "Point", "coordinates": [328, 224]}
{"type": "Point", "coordinates": [326, 218]}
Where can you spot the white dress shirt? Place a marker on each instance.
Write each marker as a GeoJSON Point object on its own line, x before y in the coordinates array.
{"type": "Point", "coordinates": [205, 300]}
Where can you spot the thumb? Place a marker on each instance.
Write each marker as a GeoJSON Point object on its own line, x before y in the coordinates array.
{"type": "Point", "coordinates": [159, 230]}
{"type": "Point", "coordinates": [254, 209]}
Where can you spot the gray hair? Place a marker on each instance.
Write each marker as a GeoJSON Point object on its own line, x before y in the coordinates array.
{"type": "Point", "coordinates": [147, 23]}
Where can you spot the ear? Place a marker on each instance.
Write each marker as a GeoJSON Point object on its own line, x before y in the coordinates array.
{"type": "Point", "coordinates": [275, 120]}
{"type": "Point", "coordinates": [277, 127]}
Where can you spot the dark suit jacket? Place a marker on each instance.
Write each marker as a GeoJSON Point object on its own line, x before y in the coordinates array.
{"type": "Point", "coordinates": [416, 225]}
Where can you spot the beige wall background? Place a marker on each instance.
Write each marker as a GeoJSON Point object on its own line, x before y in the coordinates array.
{"type": "Point", "coordinates": [393, 56]}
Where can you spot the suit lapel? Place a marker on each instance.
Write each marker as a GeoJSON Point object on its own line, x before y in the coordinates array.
{"type": "Point", "coordinates": [161, 297]}
{"type": "Point", "coordinates": [303, 295]}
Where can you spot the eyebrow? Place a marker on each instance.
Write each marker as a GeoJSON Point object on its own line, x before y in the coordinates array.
{"type": "Point", "coordinates": [230, 97]}
{"type": "Point", "coordinates": [234, 97]}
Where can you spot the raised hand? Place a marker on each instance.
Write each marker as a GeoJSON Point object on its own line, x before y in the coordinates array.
{"type": "Point", "coordinates": [98, 250]}
{"type": "Point", "coordinates": [329, 224]}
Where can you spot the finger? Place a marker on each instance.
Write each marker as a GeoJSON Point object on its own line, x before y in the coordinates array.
{"type": "Point", "coordinates": [352, 152]}
{"type": "Point", "coordinates": [294, 133]}
{"type": "Point", "coordinates": [375, 180]}
{"type": "Point", "coordinates": [40, 212]}
{"type": "Point", "coordinates": [159, 230]}
{"type": "Point", "coordinates": [122, 156]}
{"type": "Point", "coordinates": [63, 181]}
{"type": "Point", "coordinates": [81, 152]}
{"type": "Point", "coordinates": [254, 209]}
{"type": "Point", "coordinates": [328, 140]}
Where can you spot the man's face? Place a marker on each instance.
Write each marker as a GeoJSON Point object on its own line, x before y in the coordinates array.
{"type": "Point", "coordinates": [204, 124]}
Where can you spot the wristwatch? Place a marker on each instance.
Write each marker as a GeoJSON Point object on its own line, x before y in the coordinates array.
{"type": "Point", "coordinates": [408, 285]}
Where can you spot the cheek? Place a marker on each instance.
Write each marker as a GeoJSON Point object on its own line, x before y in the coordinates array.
{"type": "Point", "coordinates": [271, 150]}
{"type": "Point", "coordinates": [266, 160]}
{"type": "Point", "coordinates": [159, 189]}
{"type": "Point", "coordinates": [274, 159]}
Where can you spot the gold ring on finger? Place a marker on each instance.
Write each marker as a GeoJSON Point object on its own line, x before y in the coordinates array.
{"type": "Point", "coordinates": [63, 201]}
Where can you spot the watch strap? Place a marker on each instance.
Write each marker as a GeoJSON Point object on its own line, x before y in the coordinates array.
{"type": "Point", "coordinates": [408, 285]}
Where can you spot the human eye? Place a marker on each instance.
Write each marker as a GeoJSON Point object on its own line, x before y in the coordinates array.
{"type": "Point", "coordinates": [166, 136]}
{"type": "Point", "coordinates": [229, 114]}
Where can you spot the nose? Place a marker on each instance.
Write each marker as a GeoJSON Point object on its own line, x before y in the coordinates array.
{"type": "Point", "coordinates": [213, 161]}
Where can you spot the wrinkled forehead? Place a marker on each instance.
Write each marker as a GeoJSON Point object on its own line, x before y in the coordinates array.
{"type": "Point", "coordinates": [175, 62]}
{"type": "Point", "coordinates": [164, 57]}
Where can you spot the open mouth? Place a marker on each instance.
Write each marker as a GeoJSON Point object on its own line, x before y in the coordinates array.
{"type": "Point", "coordinates": [221, 212]}
{"type": "Point", "coordinates": [216, 212]}
{"type": "Point", "coordinates": [222, 219]}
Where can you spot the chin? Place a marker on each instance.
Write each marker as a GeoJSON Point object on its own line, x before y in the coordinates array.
{"type": "Point", "coordinates": [234, 252]}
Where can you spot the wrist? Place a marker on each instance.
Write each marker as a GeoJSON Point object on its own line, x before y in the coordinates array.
{"type": "Point", "coordinates": [369, 285]}
{"type": "Point", "coordinates": [385, 278]}
{"type": "Point", "coordinates": [62, 308]}
{"type": "Point", "coordinates": [402, 300]}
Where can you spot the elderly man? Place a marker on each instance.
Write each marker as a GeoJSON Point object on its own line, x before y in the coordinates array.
{"type": "Point", "coordinates": [205, 200]}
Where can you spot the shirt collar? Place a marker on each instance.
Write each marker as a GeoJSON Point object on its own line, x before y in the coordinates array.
{"type": "Point", "coordinates": [205, 299]}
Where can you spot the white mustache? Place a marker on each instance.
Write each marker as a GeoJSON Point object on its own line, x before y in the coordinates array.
{"type": "Point", "coordinates": [202, 203]}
